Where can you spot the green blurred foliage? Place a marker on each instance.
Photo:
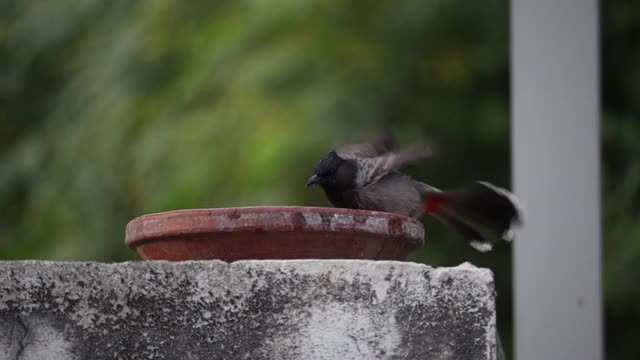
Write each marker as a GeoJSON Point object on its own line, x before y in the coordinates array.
{"type": "Point", "coordinates": [113, 109]}
{"type": "Point", "coordinates": [621, 175]}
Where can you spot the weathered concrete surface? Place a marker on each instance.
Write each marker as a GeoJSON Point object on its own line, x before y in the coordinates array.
{"type": "Point", "coordinates": [300, 309]}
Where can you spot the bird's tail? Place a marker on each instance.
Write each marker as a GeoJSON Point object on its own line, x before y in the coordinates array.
{"type": "Point", "coordinates": [481, 204]}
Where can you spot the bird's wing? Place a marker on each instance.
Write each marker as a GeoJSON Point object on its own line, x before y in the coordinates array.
{"type": "Point", "coordinates": [372, 169]}
{"type": "Point", "coordinates": [379, 146]}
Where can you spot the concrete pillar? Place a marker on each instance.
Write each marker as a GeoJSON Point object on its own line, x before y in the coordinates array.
{"type": "Point", "coordinates": [299, 309]}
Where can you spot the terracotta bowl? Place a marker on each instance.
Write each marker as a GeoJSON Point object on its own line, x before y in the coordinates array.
{"type": "Point", "coordinates": [273, 232]}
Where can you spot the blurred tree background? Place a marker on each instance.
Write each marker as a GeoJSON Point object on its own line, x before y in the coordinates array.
{"type": "Point", "coordinates": [113, 109]}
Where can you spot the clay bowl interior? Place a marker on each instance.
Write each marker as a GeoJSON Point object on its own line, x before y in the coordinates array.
{"type": "Point", "coordinates": [269, 232]}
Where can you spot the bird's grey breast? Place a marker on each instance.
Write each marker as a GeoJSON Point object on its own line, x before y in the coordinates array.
{"type": "Point", "coordinates": [395, 193]}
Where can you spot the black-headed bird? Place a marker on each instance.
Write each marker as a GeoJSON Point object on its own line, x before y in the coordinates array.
{"type": "Point", "coordinates": [367, 176]}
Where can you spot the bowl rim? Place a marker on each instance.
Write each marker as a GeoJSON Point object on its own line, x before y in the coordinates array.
{"type": "Point", "coordinates": [308, 219]}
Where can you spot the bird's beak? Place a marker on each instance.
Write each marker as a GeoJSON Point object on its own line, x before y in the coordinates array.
{"type": "Point", "coordinates": [314, 179]}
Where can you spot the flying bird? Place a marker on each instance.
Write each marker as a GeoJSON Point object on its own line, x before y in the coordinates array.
{"type": "Point", "coordinates": [367, 176]}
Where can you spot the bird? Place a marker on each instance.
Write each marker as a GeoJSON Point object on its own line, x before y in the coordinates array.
{"type": "Point", "coordinates": [367, 176]}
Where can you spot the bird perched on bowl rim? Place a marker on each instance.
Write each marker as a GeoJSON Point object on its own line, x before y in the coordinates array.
{"type": "Point", "coordinates": [367, 176]}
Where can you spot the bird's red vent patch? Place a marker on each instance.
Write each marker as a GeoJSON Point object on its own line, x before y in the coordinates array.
{"type": "Point", "coordinates": [434, 203]}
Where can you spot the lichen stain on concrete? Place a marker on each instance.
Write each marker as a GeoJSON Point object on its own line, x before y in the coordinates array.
{"type": "Point", "coordinates": [337, 331]}
{"type": "Point", "coordinates": [33, 338]}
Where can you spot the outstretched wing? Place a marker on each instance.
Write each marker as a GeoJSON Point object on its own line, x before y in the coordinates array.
{"type": "Point", "coordinates": [373, 169]}
{"type": "Point", "coordinates": [379, 146]}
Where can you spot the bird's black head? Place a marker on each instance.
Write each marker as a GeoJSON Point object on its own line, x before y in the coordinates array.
{"type": "Point", "coordinates": [334, 172]}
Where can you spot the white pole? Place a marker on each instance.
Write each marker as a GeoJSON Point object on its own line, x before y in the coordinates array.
{"type": "Point", "coordinates": [555, 140]}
